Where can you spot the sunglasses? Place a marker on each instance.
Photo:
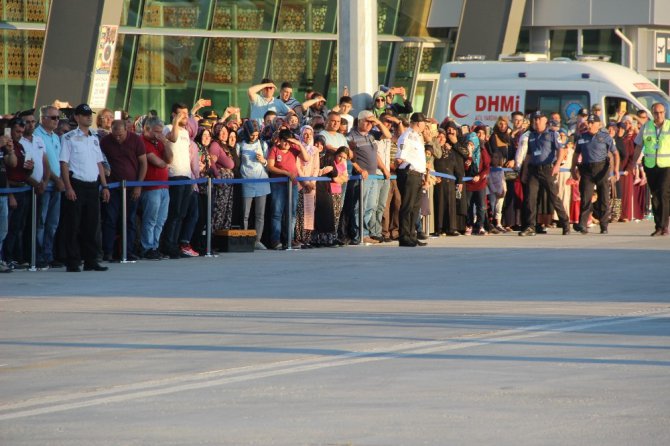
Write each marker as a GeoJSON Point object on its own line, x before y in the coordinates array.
{"type": "Point", "coordinates": [53, 118]}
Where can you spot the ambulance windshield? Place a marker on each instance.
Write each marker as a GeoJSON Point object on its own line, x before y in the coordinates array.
{"type": "Point", "coordinates": [648, 98]}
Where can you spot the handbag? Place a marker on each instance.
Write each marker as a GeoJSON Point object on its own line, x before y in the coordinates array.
{"type": "Point", "coordinates": [511, 176]}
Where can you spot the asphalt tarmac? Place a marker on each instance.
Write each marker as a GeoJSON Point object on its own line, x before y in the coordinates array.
{"type": "Point", "coordinates": [546, 340]}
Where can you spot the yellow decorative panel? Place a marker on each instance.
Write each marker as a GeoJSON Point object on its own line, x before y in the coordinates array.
{"type": "Point", "coordinates": [34, 11]}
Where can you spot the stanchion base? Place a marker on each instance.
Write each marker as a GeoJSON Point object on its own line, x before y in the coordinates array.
{"type": "Point", "coordinates": [211, 256]}
{"type": "Point", "coordinates": [32, 269]}
{"type": "Point", "coordinates": [128, 261]}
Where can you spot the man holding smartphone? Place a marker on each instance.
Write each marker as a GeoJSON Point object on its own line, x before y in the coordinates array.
{"type": "Point", "coordinates": [7, 160]}
{"type": "Point", "coordinates": [19, 175]}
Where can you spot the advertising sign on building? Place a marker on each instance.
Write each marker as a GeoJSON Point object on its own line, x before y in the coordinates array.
{"type": "Point", "coordinates": [662, 51]}
{"type": "Point", "coordinates": [102, 72]}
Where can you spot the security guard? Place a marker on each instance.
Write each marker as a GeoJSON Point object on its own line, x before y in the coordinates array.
{"type": "Point", "coordinates": [543, 162]}
{"type": "Point", "coordinates": [595, 146]}
{"type": "Point", "coordinates": [82, 172]}
{"type": "Point", "coordinates": [654, 142]}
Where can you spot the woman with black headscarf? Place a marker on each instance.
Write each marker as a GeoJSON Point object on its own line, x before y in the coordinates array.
{"type": "Point", "coordinates": [449, 162]}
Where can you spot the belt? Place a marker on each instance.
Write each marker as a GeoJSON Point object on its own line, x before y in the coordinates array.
{"type": "Point", "coordinates": [83, 183]}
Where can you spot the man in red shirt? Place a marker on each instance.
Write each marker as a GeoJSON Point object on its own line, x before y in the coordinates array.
{"type": "Point", "coordinates": [155, 200]}
{"type": "Point", "coordinates": [127, 159]}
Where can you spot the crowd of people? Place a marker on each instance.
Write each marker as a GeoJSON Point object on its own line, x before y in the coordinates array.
{"type": "Point", "coordinates": [528, 173]}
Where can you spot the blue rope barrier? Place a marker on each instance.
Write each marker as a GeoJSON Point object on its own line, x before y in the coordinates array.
{"type": "Point", "coordinates": [248, 180]}
{"type": "Point", "coordinates": [116, 185]}
{"type": "Point", "coordinates": [15, 190]}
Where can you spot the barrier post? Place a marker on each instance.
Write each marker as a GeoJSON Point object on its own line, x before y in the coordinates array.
{"type": "Point", "coordinates": [33, 233]}
{"type": "Point", "coordinates": [209, 218]}
{"type": "Point", "coordinates": [124, 219]}
{"type": "Point", "coordinates": [361, 208]}
{"type": "Point", "coordinates": [289, 215]}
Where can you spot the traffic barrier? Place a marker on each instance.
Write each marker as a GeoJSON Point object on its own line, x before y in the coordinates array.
{"type": "Point", "coordinates": [124, 185]}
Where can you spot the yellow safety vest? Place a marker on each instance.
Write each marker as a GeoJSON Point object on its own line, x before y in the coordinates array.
{"type": "Point", "coordinates": [656, 149]}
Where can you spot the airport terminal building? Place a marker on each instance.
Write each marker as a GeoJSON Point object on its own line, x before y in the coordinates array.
{"type": "Point", "coordinates": [146, 54]}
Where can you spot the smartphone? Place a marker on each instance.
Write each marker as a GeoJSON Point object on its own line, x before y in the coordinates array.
{"type": "Point", "coordinates": [117, 115]}
{"type": "Point", "coordinates": [207, 102]}
{"type": "Point", "coordinates": [8, 132]}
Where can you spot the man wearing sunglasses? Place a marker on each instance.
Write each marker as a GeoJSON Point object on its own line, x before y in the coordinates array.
{"type": "Point", "coordinates": [48, 204]}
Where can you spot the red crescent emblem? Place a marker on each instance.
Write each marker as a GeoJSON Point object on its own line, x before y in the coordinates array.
{"type": "Point", "coordinates": [452, 106]}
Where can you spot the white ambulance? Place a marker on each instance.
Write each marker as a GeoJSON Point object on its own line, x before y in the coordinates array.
{"type": "Point", "coordinates": [483, 91]}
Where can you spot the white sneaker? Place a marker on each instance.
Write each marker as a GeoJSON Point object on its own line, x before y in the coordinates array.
{"type": "Point", "coordinates": [259, 246]}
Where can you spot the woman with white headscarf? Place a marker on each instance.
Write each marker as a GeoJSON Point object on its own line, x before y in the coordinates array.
{"type": "Point", "coordinates": [307, 189]}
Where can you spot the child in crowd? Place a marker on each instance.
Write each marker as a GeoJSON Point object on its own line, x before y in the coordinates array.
{"type": "Point", "coordinates": [497, 188]}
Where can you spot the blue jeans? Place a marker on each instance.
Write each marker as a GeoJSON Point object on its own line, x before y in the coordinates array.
{"type": "Point", "coordinates": [4, 220]}
{"type": "Point", "coordinates": [13, 246]}
{"type": "Point", "coordinates": [370, 202]}
{"type": "Point", "coordinates": [378, 213]}
{"type": "Point", "coordinates": [48, 213]}
{"type": "Point", "coordinates": [154, 205]}
{"type": "Point", "coordinates": [111, 221]}
{"type": "Point", "coordinates": [280, 208]}
{"type": "Point", "coordinates": [477, 200]}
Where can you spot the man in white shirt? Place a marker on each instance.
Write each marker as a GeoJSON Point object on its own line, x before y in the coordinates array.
{"type": "Point", "coordinates": [179, 142]}
{"type": "Point", "coordinates": [82, 172]}
{"type": "Point", "coordinates": [411, 172]}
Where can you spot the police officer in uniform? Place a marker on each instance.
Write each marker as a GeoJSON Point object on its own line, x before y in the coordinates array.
{"type": "Point", "coordinates": [83, 173]}
{"type": "Point", "coordinates": [411, 159]}
{"type": "Point", "coordinates": [595, 145]}
{"type": "Point", "coordinates": [543, 161]}
{"type": "Point", "coordinates": [654, 142]}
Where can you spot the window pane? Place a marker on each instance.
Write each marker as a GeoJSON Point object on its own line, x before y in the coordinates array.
{"type": "Point", "coordinates": [602, 41]}
{"type": "Point", "coordinates": [230, 70]}
{"type": "Point", "coordinates": [563, 43]}
{"type": "Point", "coordinates": [307, 16]}
{"type": "Point", "coordinates": [406, 64]}
{"type": "Point", "coordinates": [166, 72]}
{"type": "Point", "coordinates": [176, 14]}
{"type": "Point", "coordinates": [248, 15]}
{"type": "Point", "coordinates": [523, 44]}
{"type": "Point", "coordinates": [385, 54]}
{"type": "Point", "coordinates": [35, 11]}
{"type": "Point", "coordinates": [403, 17]}
{"type": "Point", "coordinates": [22, 52]}
{"type": "Point", "coordinates": [432, 59]}
{"type": "Point", "coordinates": [130, 13]}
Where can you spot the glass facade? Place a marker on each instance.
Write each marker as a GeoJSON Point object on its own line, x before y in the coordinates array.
{"type": "Point", "coordinates": [218, 48]}
{"type": "Point", "coordinates": [178, 63]}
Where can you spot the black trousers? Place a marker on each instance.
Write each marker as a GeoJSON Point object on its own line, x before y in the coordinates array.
{"type": "Point", "coordinates": [79, 222]}
{"type": "Point", "coordinates": [409, 184]}
{"type": "Point", "coordinates": [541, 176]}
{"type": "Point", "coordinates": [659, 186]}
{"type": "Point", "coordinates": [177, 210]}
{"type": "Point", "coordinates": [594, 174]}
